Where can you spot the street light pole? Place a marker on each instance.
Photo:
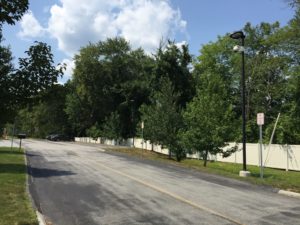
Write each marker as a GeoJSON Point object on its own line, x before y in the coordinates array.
{"type": "Point", "coordinates": [243, 105]}
{"type": "Point", "coordinates": [241, 35]}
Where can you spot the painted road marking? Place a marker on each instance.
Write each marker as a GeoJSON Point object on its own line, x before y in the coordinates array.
{"type": "Point", "coordinates": [177, 197]}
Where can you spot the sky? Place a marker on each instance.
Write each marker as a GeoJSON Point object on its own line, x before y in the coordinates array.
{"type": "Point", "coordinates": [67, 25]}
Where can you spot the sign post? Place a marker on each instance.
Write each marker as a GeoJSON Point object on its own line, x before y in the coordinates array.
{"type": "Point", "coordinates": [260, 122]}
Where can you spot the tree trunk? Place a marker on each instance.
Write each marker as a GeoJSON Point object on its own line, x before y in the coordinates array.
{"type": "Point", "coordinates": [205, 158]}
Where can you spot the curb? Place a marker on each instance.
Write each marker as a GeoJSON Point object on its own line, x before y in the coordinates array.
{"type": "Point", "coordinates": [40, 218]}
{"type": "Point", "coordinates": [289, 193]}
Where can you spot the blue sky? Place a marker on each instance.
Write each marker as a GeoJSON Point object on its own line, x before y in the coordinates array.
{"type": "Point", "coordinates": [69, 24]}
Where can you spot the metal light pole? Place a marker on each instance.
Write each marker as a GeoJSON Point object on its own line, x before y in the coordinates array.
{"type": "Point", "coordinates": [241, 35]}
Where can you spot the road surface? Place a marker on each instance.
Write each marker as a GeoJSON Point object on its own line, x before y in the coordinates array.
{"type": "Point", "coordinates": [80, 184]}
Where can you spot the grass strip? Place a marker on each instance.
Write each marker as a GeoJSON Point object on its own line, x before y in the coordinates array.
{"type": "Point", "coordinates": [276, 178]}
{"type": "Point", "coordinates": [15, 205]}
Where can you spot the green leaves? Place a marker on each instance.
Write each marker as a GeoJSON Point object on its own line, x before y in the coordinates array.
{"type": "Point", "coordinates": [36, 73]}
{"type": "Point", "coordinates": [6, 71]}
{"type": "Point", "coordinates": [12, 10]}
{"type": "Point", "coordinates": [163, 119]}
{"type": "Point", "coordinates": [107, 76]}
{"type": "Point", "coordinates": [208, 117]}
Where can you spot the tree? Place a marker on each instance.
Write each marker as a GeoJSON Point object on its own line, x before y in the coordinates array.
{"type": "Point", "coordinates": [208, 118]}
{"type": "Point", "coordinates": [6, 70]}
{"type": "Point", "coordinates": [12, 10]}
{"type": "Point", "coordinates": [267, 75]}
{"type": "Point", "coordinates": [288, 129]}
{"type": "Point", "coordinates": [107, 76]}
{"type": "Point", "coordinates": [270, 59]}
{"type": "Point", "coordinates": [112, 127]}
{"type": "Point", "coordinates": [36, 73]}
{"type": "Point", "coordinates": [47, 116]}
{"type": "Point", "coordinates": [173, 62]}
{"type": "Point", "coordinates": [94, 131]}
{"type": "Point", "coordinates": [163, 119]}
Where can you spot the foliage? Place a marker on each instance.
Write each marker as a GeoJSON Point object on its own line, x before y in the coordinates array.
{"type": "Point", "coordinates": [112, 126]}
{"type": "Point", "coordinates": [163, 119]}
{"type": "Point", "coordinates": [47, 116]}
{"type": "Point", "coordinates": [114, 87]}
{"type": "Point", "coordinates": [267, 75]}
{"type": "Point", "coordinates": [173, 62]}
{"type": "Point", "coordinates": [12, 10]}
{"type": "Point", "coordinates": [107, 76]}
{"type": "Point", "coordinates": [272, 60]}
{"type": "Point", "coordinates": [36, 73]}
{"type": "Point", "coordinates": [6, 70]}
{"type": "Point", "coordinates": [208, 118]}
{"type": "Point", "coordinates": [94, 131]}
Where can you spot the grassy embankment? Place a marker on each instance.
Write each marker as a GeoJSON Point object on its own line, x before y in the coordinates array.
{"type": "Point", "coordinates": [15, 205]}
{"type": "Point", "coordinates": [287, 180]}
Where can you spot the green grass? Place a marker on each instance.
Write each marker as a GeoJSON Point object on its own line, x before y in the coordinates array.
{"type": "Point", "coordinates": [15, 205]}
{"type": "Point", "coordinates": [287, 180]}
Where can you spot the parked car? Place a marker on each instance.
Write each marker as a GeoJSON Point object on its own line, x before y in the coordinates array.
{"type": "Point", "coordinates": [48, 137]}
{"type": "Point", "coordinates": [58, 137]}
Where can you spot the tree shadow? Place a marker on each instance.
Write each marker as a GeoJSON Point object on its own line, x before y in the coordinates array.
{"type": "Point", "coordinates": [31, 154]}
{"type": "Point", "coordinates": [13, 152]}
{"type": "Point", "coordinates": [12, 168]}
{"type": "Point", "coordinates": [257, 175]}
{"type": "Point", "coordinates": [45, 172]}
{"type": "Point", "coordinates": [32, 171]}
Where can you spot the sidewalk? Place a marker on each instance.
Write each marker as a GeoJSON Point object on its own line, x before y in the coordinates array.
{"type": "Point", "coordinates": [6, 143]}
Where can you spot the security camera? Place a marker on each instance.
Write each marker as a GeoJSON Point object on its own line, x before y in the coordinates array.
{"type": "Point", "coordinates": [238, 48]}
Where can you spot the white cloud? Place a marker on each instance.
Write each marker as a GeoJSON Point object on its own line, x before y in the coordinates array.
{"type": "Point", "coordinates": [180, 44]}
{"type": "Point", "coordinates": [30, 27]}
{"type": "Point", "coordinates": [75, 23]}
{"type": "Point", "coordinates": [70, 65]}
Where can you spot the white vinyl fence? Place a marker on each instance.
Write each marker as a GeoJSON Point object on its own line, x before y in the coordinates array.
{"type": "Point", "coordinates": [275, 156]}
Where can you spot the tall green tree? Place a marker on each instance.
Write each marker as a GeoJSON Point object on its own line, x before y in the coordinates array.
{"type": "Point", "coordinates": [108, 75]}
{"type": "Point", "coordinates": [36, 72]}
{"type": "Point", "coordinates": [6, 71]}
{"type": "Point", "coordinates": [208, 118]}
{"type": "Point", "coordinates": [46, 116]}
{"type": "Point", "coordinates": [267, 67]}
{"type": "Point", "coordinates": [163, 119]}
{"type": "Point", "coordinates": [288, 129]}
{"type": "Point", "coordinates": [174, 63]}
{"type": "Point", "coordinates": [112, 127]}
{"type": "Point", "coordinates": [268, 71]}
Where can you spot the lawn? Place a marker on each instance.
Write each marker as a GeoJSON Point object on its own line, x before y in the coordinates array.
{"type": "Point", "coordinates": [15, 205]}
{"type": "Point", "coordinates": [287, 180]}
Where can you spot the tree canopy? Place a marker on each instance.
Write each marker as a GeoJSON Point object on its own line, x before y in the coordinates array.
{"type": "Point", "coordinates": [12, 10]}
{"type": "Point", "coordinates": [188, 104]}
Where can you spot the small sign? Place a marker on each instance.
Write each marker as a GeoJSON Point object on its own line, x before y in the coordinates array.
{"type": "Point", "coordinates": [142, 125]}
{"type": "Point", "coordinates": [260, 119]}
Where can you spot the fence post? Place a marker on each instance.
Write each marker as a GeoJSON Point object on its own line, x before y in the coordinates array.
{"type": "Point", "coordinates": [287, 157]}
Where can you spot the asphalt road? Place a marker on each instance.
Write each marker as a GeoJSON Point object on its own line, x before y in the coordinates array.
{"type": "Point", "coordinates": [74, 184]}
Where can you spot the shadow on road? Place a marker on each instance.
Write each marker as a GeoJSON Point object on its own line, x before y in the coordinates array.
{"type": "Point", "coordinates": [44, 172]}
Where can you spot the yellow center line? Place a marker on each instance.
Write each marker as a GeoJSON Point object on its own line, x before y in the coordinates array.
{"type": "Point", "coordinates": [177, 197]}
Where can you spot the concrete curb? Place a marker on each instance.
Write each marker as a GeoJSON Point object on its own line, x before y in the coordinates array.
{"type": "Point", "coordinates": [289, 193]}
{"type": "Point", "coordinates": [40, 218]}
